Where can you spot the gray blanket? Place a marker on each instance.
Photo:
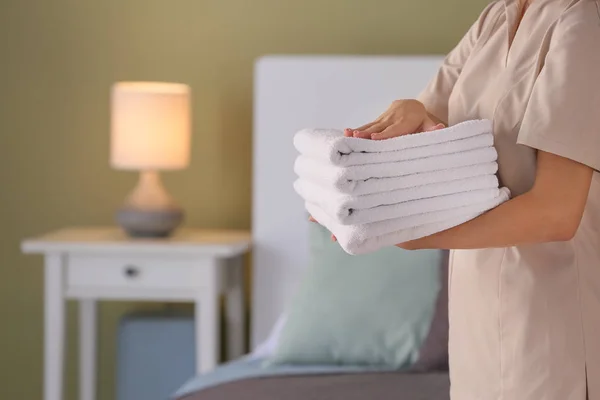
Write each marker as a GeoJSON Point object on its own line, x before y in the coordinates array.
{"type": "Point", "coordinates": [362, 386]}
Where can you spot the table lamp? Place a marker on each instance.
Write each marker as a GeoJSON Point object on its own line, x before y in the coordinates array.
{"type": "Point", "coordinates": [150, 132]}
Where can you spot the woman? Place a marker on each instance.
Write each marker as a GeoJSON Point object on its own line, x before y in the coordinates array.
{"type": "Point", "coordinates": [525, 280]}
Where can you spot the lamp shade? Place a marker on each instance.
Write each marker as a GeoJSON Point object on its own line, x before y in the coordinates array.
{"type": "Point", "coordinates": [150, 126]}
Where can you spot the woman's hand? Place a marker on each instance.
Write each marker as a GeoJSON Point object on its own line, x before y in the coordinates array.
{"type": "Point", "coordinates": [401, 118]}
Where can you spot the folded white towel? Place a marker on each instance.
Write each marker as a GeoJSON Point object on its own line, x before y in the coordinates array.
{"type": "Point", "coordinates": [365, 231]}
{"type": "Point", "coordinates": [341, 206]}
{"type": "Point", "coordinates": [366, 238]}
{"type": "Point", "coordinates": [379, 185]}
{"type": "Point", "coordinates": [331, 146]}
{"type": "Point", "coordinates": [346, 160]}
{"type": "Point", "coordinates": [413, 207]}
{"type": "Point", "coordinates": [395, 169]}
{"type": "Point", "coordinates": [307, 167]}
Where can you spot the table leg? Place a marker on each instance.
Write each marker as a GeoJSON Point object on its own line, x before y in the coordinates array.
{"type": "Point", "coordinates": [235, 309]}
{"type": "Point", "coordinates": [87, 349]}
{"type": "Point", "coordinates": [207, 330]}
{"type": "Point", "coordinates": [54, 327]}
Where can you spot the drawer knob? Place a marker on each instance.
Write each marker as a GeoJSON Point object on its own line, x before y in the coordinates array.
{"type": "Point", "coordinates": [131, 271]}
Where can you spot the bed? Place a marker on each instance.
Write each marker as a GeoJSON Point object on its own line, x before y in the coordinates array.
{"type": "Point", "coordinates": [293, 92]}
{"type": "Point", "coordinates": [326, 385]}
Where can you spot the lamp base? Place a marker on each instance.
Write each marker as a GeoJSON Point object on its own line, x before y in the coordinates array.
{"type": "Point", "coordinates": [149, 223]}
{"type": "Point", "coordinates": [149, 211]}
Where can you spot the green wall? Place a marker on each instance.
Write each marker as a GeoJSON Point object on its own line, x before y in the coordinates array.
{"type": "Point", "coordinates": [57, 61]}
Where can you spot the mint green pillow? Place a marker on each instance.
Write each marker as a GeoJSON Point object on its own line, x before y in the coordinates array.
{"type": "Point", "coordinates": [373, 310]}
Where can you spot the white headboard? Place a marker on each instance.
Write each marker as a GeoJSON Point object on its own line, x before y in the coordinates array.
{"type": "Point", "coordinates": [291, 93]}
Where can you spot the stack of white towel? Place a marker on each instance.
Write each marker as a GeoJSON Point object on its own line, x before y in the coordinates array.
{"type": "Point", "coordinates": [373, 194]}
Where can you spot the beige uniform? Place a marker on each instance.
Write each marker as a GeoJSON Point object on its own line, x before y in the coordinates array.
{"type": "Point", "coordinates": [525, 320]}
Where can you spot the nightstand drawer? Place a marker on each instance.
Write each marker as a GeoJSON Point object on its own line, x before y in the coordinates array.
{"type": "Point", "coordinates": [136, 272]}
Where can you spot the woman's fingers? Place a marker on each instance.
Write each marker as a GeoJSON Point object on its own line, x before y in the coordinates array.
{"type": "Point", "coordinates": [361, 135]}
{"type": "Point", "coordinates": [406, 127]}
{"type": "Point", "coordinates": [368, 125]}
{"type": "Point", "coordinates": [403, 127]}
{"type": "Point", "coordinates": [365, 131]}
{"type": "Point", "coordinates": [349, 132]}
{"type": "Point", "coordinates": [401, 118]}
{"type": "Point", "coordinates": [375, 128]}
{"type": "Point", "coordinates": [311, 219]}
{"type": "Point", "coordinates": [435, 128]}
{"type": "Point", "coordinates": [369, 131]}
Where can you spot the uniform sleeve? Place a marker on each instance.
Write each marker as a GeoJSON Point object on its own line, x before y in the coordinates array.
{"type": "Point", "coordinates": [563, 113]}
{"type": "Point", "coordinates": [437, 93]}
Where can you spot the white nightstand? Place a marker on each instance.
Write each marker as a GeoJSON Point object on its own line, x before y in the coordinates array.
{"type": "Point", "coordinates": [90, 264]}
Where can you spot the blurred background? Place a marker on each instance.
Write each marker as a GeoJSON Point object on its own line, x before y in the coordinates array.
{"type": "Point", "coordinates": [58, 60]}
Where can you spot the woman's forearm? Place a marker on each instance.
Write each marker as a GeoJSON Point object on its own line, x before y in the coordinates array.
{"type": "Point", "coordinates": [550, 212]}
{"type": "Point", "coordinates": [522, 220]}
